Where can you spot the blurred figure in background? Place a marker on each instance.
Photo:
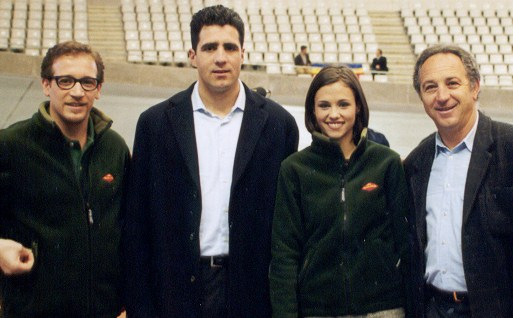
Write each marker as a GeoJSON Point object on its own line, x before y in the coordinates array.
{"type": "Point", "coordinates": [379, 64]}
{"type": "Point", "coordinates": [302, 61]}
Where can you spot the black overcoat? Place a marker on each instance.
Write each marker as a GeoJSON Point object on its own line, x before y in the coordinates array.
{"type": "Point", "coordinates": [161, 232]}
{"type": "Point", "coordinates": [487, 229]}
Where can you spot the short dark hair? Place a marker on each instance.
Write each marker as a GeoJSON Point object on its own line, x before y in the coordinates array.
{"type": "Point", "coordinates": [466, 58]}
{"type": "Point", "coordinates": [215, 15]}
{"type": "Point", "coordinates": [303, 47]}
{"type": "Point", "coordinates": [329, 75]}
{"type": "Point", "coordinates": [70, 48]}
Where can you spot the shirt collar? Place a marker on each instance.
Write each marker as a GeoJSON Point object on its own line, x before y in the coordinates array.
{"type": "Point", "coordinates": [45, 111]}
{"type": "Point", "coordinates": [90, 135]}
{"type": "Point", "coordinates": [197, 103]}
{"type": "Point", "coordinates": [467, 142]}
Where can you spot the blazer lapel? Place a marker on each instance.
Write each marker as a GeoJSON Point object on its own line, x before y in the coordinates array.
{"type": "Point", "coordinates": [479, 162]}
{"type": "Point", "coordinates": [419, 185]}
{"type": "Point", "coordinates": [253, 122]}
{"type": "Point", "coordinates": [181, 119]}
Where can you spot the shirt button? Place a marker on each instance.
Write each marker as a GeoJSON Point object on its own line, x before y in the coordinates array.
{"type": "Point", "coordinates": [191, 237]}
{"type": "Point", "coordinates": [193, 279]}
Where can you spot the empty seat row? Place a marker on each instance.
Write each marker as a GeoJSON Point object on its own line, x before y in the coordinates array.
{"type": "Point", "coordinates": [498, 80]}
{"type": "Point", "coordinates": [462, 21]}
{"type": "Point", "coordinates": [497, 69]}
{"type": "Point", "coordinates": [259, 58]}
{"type": "Point", "coordinates": [44, 24]}
{"type": "Point", "coordinates": [162, 57]}
{"type": "Point", "coordinates": [20, 6]}
{"type": "Point", "coordinates": [447, 12]}
{"type": "Point", "coordinates": [456, 29]}
{"type": "Point", "coordinates": [333, 10]}
{"type": "Point", "coordinates": [311, 18]}
{"type": "Point", "coordinates": [158, 45]}
{"type": "Point", "coordinates": [487, 40]}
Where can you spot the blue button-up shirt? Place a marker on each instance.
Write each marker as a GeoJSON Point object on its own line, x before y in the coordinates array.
{"type": "Point", "coordinates": [216, 141]}
{"type": "Point", "coordinates": [444, 205]}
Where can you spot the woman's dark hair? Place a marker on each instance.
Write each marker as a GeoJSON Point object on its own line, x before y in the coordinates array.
{"type": "Point", "coordinates": [329, 75]}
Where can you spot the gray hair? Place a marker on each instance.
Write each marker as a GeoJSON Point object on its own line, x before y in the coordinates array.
{"type": "Point", "coordinates": [466, 58]}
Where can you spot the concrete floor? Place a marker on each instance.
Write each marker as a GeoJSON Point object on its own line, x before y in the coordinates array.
{"type": "Point", "coordinates": [21, 95]}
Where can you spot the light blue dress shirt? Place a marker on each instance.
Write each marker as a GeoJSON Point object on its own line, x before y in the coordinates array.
{"type": "Point", "coordinates": [444, 205]}
{"type": "Point", "coordinates": [216, 141]}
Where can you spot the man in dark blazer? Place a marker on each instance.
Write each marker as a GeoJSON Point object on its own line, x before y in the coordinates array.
{"type": "Point", "coordinates": [379, 64]}
{"type": "Point", "coordinates": [302, 61]}
{"type": "Point", "coordinates": [211, 152]}
{"type": "Point", "coordinates": [462, 189]}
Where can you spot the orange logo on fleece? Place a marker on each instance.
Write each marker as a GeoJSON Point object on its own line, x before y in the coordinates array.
{"type": "Point", "coordinates": [108, 178]}
{"type": "Point", "coordinates": [370, 186]}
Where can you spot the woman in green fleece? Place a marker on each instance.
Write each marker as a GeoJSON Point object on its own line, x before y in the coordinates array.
{"type": "Point", "coordinates": [340, 245]}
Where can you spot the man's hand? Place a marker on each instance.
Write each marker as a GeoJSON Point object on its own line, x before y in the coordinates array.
{"type": "Point", "coordinates": [15, 259]}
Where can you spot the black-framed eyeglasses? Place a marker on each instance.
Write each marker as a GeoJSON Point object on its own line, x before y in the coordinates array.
{"type": "Point", "coordinates": [68, 82]}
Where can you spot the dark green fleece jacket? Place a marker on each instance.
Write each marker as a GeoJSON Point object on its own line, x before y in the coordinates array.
{"type": "Point", "coordinates": [339, 242]}
{"type": "Point", "coordinates": [74, 230]}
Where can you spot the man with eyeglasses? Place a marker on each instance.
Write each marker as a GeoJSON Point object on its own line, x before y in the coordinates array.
{"type": "Point", "coordinates": [62, 182]}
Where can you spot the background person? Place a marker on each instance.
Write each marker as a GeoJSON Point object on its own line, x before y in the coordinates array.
{"type": "Point", "coordinates": [302, 61]}
{"type": "Point", "coordinates": [462, 190]}
{"type": "Point", "coordinates": [340, 242]}
{"type": "Point", "coordinates": [379, 64]}
{"type": "Point", "coordinates": [62, 176]}
{"type": "Point", "coordinates": [198, 228]}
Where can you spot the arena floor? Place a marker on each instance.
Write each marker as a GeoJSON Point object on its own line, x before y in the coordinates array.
{"type": "Point", "coordinates": [21, 95]}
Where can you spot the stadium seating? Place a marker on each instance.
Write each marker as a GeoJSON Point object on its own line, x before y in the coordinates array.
{"type": "Point", "coordinates": [272, 36]}
{"type": "Point", "coordinates": [157, 31]}
{"type": "Point", "coordinates": [484, 32]}
{"type": "Point", "coordinates": [33, 26]}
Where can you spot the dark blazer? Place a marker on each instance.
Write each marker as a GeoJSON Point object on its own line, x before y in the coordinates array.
{"type": "Point", "coordinates": [382, 62]}
{"type": "Point", "coordinates": [487, 233]}
{"type": "Point", "coordinates": [161, 233]}
{"type": "Point", "coordinates": [299, 61]}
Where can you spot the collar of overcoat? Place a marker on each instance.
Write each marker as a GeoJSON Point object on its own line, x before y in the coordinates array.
{"type": "Point", "coordinates": [180, 116]}
{"type": "Point", "coordinates": [478, 167]}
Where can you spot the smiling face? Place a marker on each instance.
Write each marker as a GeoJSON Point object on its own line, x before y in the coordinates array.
{"type": "Point", "coordinates": [218, 58]}
{"type": "Point", "coordinates": [335, 112]}
{"type": "Point", "coordinates": [448, 96]}
{"type": "Point", "coordinates": [70, 108]}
